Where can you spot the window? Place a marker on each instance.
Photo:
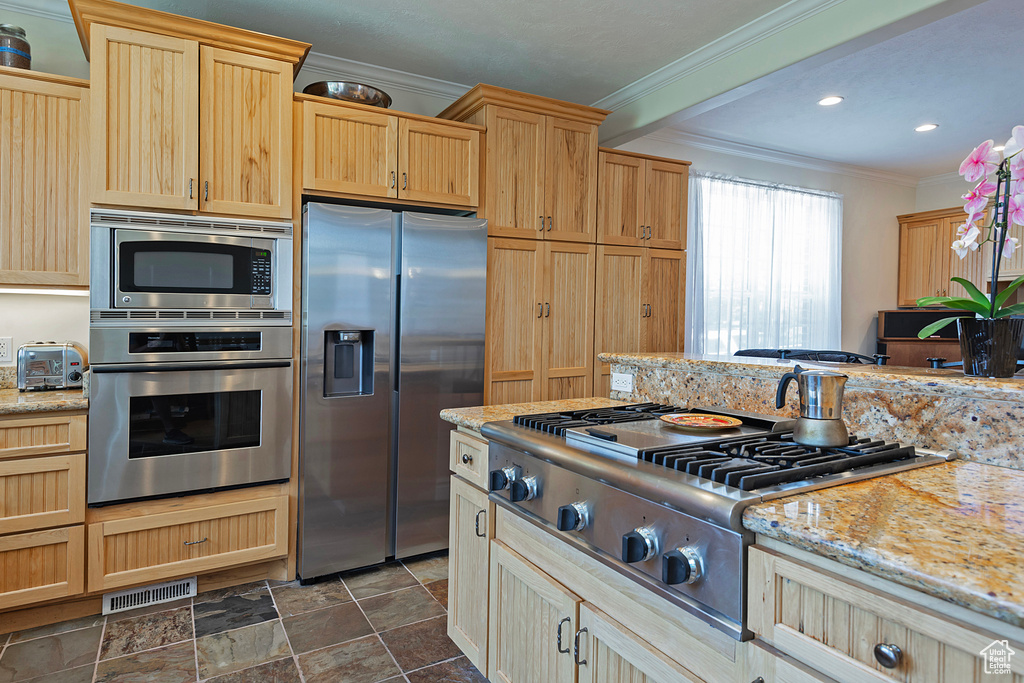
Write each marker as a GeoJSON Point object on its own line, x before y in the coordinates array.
{"type": "Point", "coordinates": [764, 266]}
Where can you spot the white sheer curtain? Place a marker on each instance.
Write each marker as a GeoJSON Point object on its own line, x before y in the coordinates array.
{"type": "Point", "coordinates": [764, 266]}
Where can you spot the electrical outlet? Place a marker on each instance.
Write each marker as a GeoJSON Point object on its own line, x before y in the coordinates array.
{"type": "Point", "coordinates": [622, 381]}
{"type": "Point", "coordinates": [6, 349]}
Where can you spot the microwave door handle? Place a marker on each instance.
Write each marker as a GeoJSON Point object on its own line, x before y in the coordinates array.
{"type": "Point", "coordinates": [187, 367]}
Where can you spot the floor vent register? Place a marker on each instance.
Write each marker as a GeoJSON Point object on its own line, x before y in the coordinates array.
{"type": "Point", "coordinates": [154, 594]}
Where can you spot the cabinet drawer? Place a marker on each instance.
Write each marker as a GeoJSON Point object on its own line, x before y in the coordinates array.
{"type": "Point", "coordinates": [41, 435]}
{"type": "Point", "coordinates": [36, 493]}
{"type": "Point", "coordinates": [469, 458]}
{"type": "Point", "coordinates": [41, 565]}
{"type": "Point", "coordinates": [833, 624]}
{"type": "Point", "coordinates": [143, 549]}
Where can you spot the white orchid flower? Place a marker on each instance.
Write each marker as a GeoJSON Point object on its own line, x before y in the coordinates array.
{"type": "Point", "coordinates": [1009, 246]}
{"type": "Point", "coordinates": [968, 240]}
{"type": "Point", "coordinates": [1015, 143]}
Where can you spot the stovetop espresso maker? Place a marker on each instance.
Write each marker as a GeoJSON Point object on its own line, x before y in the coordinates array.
{"type": "Point", "coordinates": [821, 406]}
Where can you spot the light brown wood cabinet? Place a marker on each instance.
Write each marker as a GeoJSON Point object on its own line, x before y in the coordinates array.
{"type": "Point", "coordinates": [540, 169]}
{"type": "Point", "coordinates": [44, 148]}
{"type": "Point", "coordinates": [357, 150]}
{"type": "Point", "coordinates": [926, 261]}
{"type": "Point", "coordinates": [540, 313]}
{"type": "Point", "coordinates": [640, 304]}
{"type": "Point", "coordinates": [41, 565]}
{"type": "Point", "coordinates": [641, 200]}
{"type": "Point", "coordinates": [471, 528]}
{"type": "Point", "coordinates": [180, 125]}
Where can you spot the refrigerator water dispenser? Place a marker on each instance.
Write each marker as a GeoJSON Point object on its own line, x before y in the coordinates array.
{"type": "Point", "coordinates": [348, 365]}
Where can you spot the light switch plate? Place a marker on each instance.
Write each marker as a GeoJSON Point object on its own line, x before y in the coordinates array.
{"type": "Point", "coordinates": [6, 349]}
{"type": "Point", "coordinates": [622, 381]}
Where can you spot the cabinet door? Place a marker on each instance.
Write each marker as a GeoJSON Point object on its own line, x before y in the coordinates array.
{"type": "Point", "coordinates": [515, 309]}
{"type": "Point", "coordinates": [44, 144]}
{"type": "Point", "coordinates": [471, 526]}
{"type": "Point", "coordinates": [971, 267]}
{"type": "Point", "coordinates": [36, 493]}
{"type": "Point", "coordinates": [246, 134]}
{"type": "Point", "coordinates": [664, 298]}
{"type": "Point", "coordinates": [145, 117]}
{"type": "Point", "coordinates": [41, 565]}
{"type": "Point", "coordinates": [618, 317]}
{"type": "Point", "coordinates": [514, 206]}
{"type": "Point", "coordinates": [667, 192]}
{"type": "Point", "coordinates": [349, 151]}
{"type": "Point", "coordinates": [570, 180]}
{"type": "Point", "coordinates": [527, 610]}
{"type": "Point", "coordinates": [922, 261]}
{"type": "Point", "coordinates": [620, 199]}
{"type": "Point", "coordinates": [438, 162]}
{"type": "Point", "coordinates": [611, 653]}
{"type": "Point", "coordinates": [568, 320]}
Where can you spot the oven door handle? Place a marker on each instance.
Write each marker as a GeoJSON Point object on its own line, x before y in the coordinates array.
{"type": "Point", "coordinates": [181, 367]}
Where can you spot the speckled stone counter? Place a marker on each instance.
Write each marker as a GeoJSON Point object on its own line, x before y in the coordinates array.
{"type": "Point", "coordinates": [954, 531]}
{"type": "Point", "coordinates": [14, 402]}
{"type": "Point", "coordinates": [474, 418]}
{"type": "Point", "coordinates": [979, 419]}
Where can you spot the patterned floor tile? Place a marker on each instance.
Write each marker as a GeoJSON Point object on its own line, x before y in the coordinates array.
{"type": "Point", "coordinates": [292, 598]}
{"type": "Point", "coordinates": [32, 658]}
{"type": "Point", "coordinates": [146, 632]}
{"type": "Point", "coordinates": [234, 612]}
{"type": "Point", "coordinates": [241, 648]}
{"type": "Point", "coordinates": [399, 608]}
{"type": "Point", "coordinates": [439, 589]}
{"type": "Point", "coordinates": [328, 626]}
{"type": "Point", "coordinates": [427, 568]}
{"type": "Point", "coordinates": [53, 629]}
{"type": "Point", "coordinates": [173, 664]}
{"type": "Point", "coordinates": [421, 644]}
{"type": "Point", "coordinates": [280, 671]}
{"type": "Point", "coordinates": [80, 674]}
{"type": "Point", "coordinates": [456, 671]}
{"type": "Point", "coordinates": [221, 593]}
{"type": "Point", "coordinates": [358, 661]}
{"type": "Point", "coordinates": [364, 583]}
{"type": "Point", "coordinates": [150, 609]}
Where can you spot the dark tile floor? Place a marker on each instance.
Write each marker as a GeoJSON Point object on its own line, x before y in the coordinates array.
{"type": "Point", "coordinates": [387, 623]}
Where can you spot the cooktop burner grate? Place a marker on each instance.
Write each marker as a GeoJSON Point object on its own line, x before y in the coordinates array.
{"type": "Point", "coordinates": [557, 423]}
{"type": "Point", "coordinates": [755, 462]}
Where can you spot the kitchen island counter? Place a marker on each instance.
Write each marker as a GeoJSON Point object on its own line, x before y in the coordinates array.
{"type": "Point", "coordinates": [14, 402]}
{"type": "Point", "coordinates": [475, 417]}
{"type": "Point", "coordinates": [953, 531]}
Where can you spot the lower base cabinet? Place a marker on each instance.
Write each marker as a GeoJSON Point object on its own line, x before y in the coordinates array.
{"type": "Point", "coordinates": [41, 565]}
{"type": "Point", "coordinates": [471, 526]}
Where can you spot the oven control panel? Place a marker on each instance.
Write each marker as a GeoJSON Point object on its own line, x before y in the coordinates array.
{"type": "Point", "coordinates": [262, 271]}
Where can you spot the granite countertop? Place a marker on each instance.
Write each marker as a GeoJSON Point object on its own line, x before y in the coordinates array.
{"type": "Point", "coordinates": [954, 531]}
{"type": "Point", "coordinates": [474, 418]}
{"type": "Point", "coordinates": [14, 402]}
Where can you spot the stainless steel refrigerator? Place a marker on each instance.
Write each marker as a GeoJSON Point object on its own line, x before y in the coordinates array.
{"type": "Point", "coordinates": [392, 333]}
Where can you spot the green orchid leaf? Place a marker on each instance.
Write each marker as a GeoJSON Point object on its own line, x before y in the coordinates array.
{"type": "Point", "coordinates": [1015, 309]}
{"type": "Point", "coordinates": [972, 291]}
{"type": "Point", "coordinates": [929, 330]}
{"type": "Point", "coordinates": [965, 304]}
{"type": "Point", "coordinates": [932, 300]}
{"type": "Point", "coordinates": [1006, 293]}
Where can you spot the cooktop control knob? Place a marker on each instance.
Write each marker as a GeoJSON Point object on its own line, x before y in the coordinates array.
{"type": "Point", "coordinates": [74, 376]}
{"type": "Point", "coordinates": [681, 565]}
{"type": "Point", "coordinates": [639, 545]}
{"type": "Point", "coordinates": [523, 489]}
{"type": "Point", "coordinates": [572, 517]}
{"type": "Point", "coordinates": [500, 479]}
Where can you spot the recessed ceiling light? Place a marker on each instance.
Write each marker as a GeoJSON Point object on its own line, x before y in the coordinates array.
{"type": "Point", "coordinates": [999, 148]}
{"type": "Point", "coordinates": [926, 127]}
{"type": "Point", "coordinates": [830, 100]}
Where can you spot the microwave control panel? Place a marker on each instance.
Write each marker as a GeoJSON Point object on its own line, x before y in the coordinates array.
{"type": "Point", "coordinates": [261, 271]}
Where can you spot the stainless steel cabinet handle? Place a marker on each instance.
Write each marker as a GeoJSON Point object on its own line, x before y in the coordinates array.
{"type": "Point", "coordinates": [405, 181]}
{"type": "Point", "coordinates": [551, 222]}
{"type": "Point", "coordinates": [558, 637]}
{"type": "Point", "coordinates": [481, 512]}
{"type": "Point", "coordinates": [648, 231]}
{"type": "Point", "coordinates": [393, 179]}
{"type": "Point", "coordinates": [540, 310]}
{"type": "Point", "coordinates": [648, 310]}
{"type": "Point", "coordinates": [548, 314]}
{"type": "Point", "coordinates": [206, 190]}
{"type": "Point", "coordinates": [466, 458]}
{"type": "Point", "coordinates": [888, 655]}
{"type": "Point", "coordinates": [542, 223]}
{"type": "Point", "coordinates": [197, 542]}
{"type": "Point", "coordinates": [190, 188]}
{"type": "Point", "coordinates": [576, 648]}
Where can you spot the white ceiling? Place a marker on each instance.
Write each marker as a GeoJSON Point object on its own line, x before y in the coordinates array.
{"type": "Point", "coordinates": [964, 72]}
{"type": "Point", "coordinates": [576, 50]}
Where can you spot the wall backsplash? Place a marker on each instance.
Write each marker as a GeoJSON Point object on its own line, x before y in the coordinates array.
{"type": "Point", "coordinates": [43, 317]}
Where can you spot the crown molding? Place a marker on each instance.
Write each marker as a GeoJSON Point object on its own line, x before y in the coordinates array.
{"type": "Point", "coordinates": [765, 26]}
{"type": "Point", "coordinates": [942, 179]}
{"type": "Point", "coordinates": [46, 9]}
{"type": "Point", "coordinates": [341, 68]}
{"type": "Point", "coordinates": [679, 137]}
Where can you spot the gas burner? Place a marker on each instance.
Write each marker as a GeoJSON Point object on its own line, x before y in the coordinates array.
{"type": "Point", "coordinates": [557, 423]}
{"type": "Point", "coordinates": [755, 462]}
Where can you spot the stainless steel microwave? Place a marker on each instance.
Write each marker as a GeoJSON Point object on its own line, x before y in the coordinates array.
{"type": "Point", "coordinates": [165, 267]}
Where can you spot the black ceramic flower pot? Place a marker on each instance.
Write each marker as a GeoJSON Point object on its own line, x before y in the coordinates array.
{"type": "Point", "coordinates": [990, 347]}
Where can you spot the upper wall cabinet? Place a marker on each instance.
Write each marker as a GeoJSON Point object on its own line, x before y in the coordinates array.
{"type": "Point", "coordinates": [926, 261]}
{"type": "Point", "coordinates": [44, 135]}
{"type": "Point", "coordinates": [540, 169]}
{"type": "Point", "coordinates": [360, 150]}
{"type": "Point", "coordinates": [188, 115]}
{"type": "Point", "coordinates": [641, 200]}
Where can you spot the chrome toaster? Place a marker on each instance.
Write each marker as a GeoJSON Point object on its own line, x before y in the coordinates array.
{"type": "Point", "coordinates": [49, 365]}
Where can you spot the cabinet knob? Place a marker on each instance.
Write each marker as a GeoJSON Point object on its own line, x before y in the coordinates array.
{"type": "Point", "coordinates": [466, 458]}
{"type": "Point", "coordinates": [888, 655]}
